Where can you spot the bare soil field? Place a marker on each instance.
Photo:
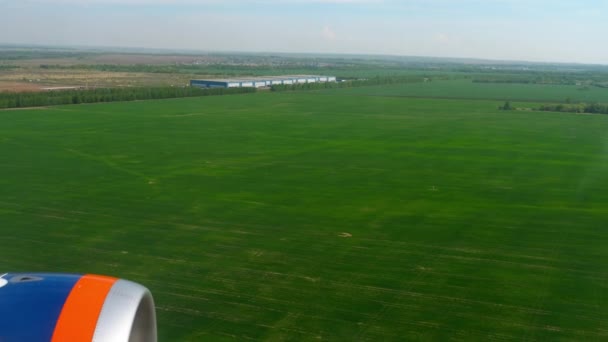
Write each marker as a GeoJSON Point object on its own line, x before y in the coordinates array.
{"type": "Point", "coordinates": [8, 86]}
{"type": "Point", "coordinates": [33, 79]}
{"type": "Point", "coordinates": [31, 75]}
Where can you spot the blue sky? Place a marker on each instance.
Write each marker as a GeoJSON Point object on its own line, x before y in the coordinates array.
{"type": "Point", "coordinates": [535, 30]}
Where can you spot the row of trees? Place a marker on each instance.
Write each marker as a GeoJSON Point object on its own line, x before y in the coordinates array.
{"type": "Point", "coordinates": [198, 69]}
{"type": "Point", "coordinates": [163, 69]}
{"type": "Point", "coordinates": [378, 80]}
{"type": "Point", "coordinates": [505, 81]}
{"type": "Point", "coordinates": [533, 80]}
{"type": "Point", "coordinates": [594, 108]}
{"type": "Point", "coordinates": [50, 98]}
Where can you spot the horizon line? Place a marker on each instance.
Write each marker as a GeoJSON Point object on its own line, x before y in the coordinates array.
{"type": "Point", "coordinates": [189, 51]}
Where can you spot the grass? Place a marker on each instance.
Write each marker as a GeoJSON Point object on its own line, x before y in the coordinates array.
{"type": "Point", "coordinates": [467, 223]}
{"type": "Point", "coordinates": [466, 89]}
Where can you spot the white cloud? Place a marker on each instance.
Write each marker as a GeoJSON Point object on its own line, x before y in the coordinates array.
{"type": "Point", "coordinates": [198, 2]}
{"type": "Point", "coordinates": [328, 33]}
{"type": "Point", "coordinates": [441, 38]}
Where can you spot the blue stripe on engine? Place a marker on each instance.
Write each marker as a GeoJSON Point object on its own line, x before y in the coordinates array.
{"type": "Point", "coordinates": [29, 310]}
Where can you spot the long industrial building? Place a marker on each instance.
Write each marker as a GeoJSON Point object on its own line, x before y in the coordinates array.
{"type": "Point", "coordinates": [260, 82]}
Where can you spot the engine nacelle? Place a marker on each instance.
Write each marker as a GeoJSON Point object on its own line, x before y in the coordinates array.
{"type": "Point", "coordinates": [74, 308]}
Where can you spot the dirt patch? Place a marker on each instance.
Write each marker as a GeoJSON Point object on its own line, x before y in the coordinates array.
{"type": "Point", "coordinates": [552, 328]}
{"type": "Point", "coordinates": [22, 108]}
{"type": "Point", "coordinates": [183, 115]}
{"type": "Point", "coordinates": [35, 79]}
{"type": "Point", "coordinates": [18, 87]}
{"type": "Point", "coordinates": [345, 235]}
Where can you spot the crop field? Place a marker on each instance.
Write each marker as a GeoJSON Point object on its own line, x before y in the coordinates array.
{"type": "Point", "coordinates": [310, 216]}
{"type": "Point", "coordinates": [466, 89]}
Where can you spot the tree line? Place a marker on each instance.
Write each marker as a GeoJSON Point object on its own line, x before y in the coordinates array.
{"type": "Point", "coordinates": [593, 108]}
{"type": "Point", "coordinates": [196, 69]}
{"type": "Point", "coordinates": [64, 97]}
{"type": "Point", "coordinates": [377, 80]}
{"type": "Point", "coordinates": [543, 80]}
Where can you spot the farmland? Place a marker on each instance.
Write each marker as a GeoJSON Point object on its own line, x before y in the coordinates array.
{"type": "Point", "coordinates": [465, 88]}
{"type": "Point", "coordinates": [323, 215]}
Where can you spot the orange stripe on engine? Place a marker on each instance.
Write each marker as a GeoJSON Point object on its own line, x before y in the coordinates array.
{"type": "Point", "coordinates": [78, 318]}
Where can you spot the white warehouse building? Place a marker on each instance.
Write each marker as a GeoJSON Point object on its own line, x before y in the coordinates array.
{"type": "Point", "coordinates": [260, 82]}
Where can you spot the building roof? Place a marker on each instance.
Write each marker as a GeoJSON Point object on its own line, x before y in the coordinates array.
{"type": "Point", "coordinates": [258, 78]}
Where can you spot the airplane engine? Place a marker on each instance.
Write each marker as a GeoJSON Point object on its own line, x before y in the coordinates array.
{"type": "Point", "coordinates": [73, 308]}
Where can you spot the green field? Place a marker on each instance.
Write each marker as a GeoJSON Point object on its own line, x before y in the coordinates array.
{"type": "Point", "coordinates": [320, 215]}
{"type": "Point", "coordinates": [466, 89]}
